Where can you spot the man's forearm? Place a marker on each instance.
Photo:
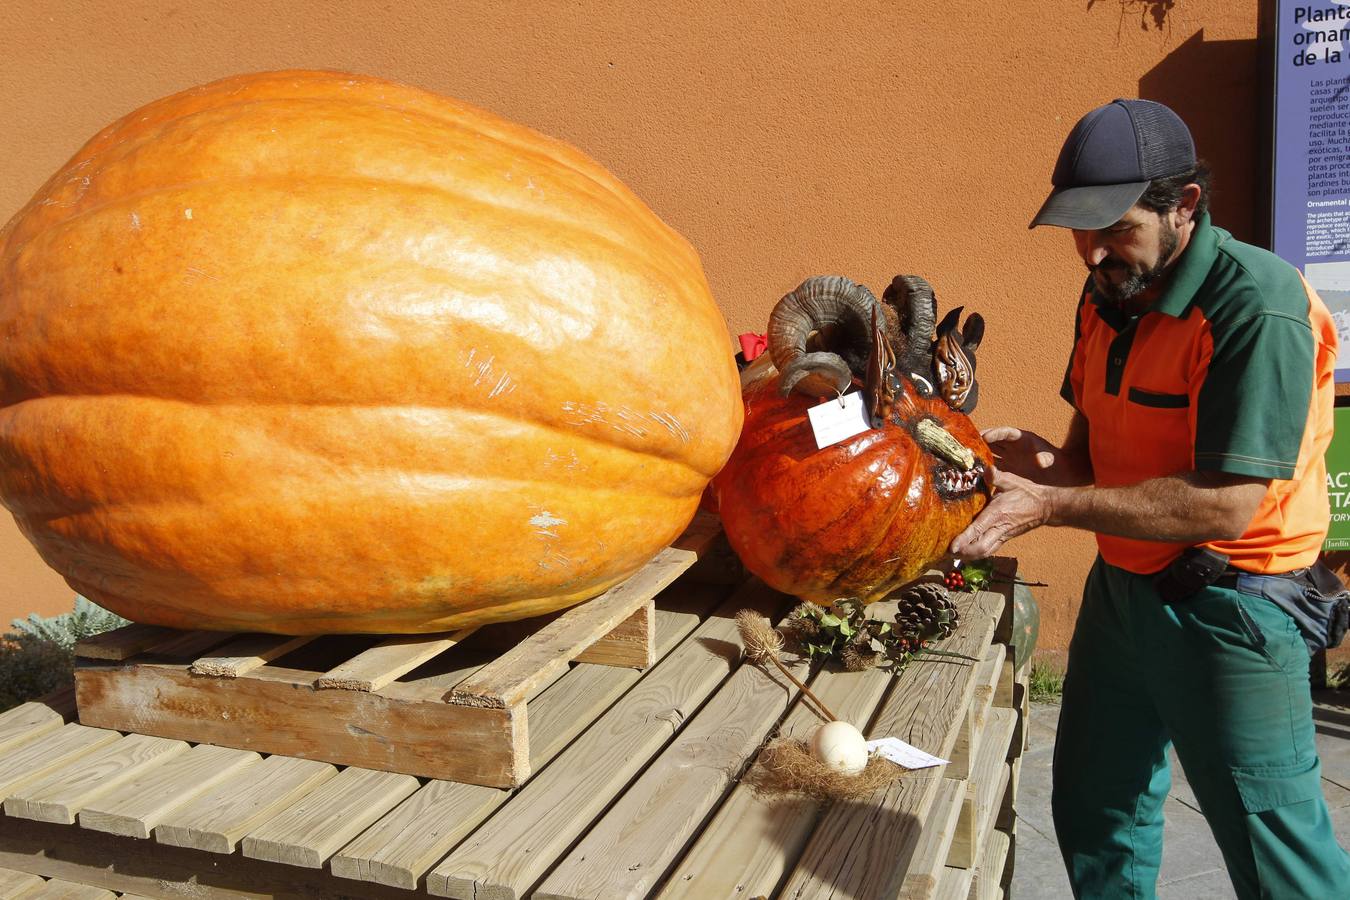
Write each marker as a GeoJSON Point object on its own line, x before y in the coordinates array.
{"type": "Point", "coordinates": [1176, 508]}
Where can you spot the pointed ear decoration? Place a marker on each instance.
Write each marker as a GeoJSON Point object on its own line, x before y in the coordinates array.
{"type": "Point", "coordinates": [973, 332]}
{"type": "Point", "coordinates": [948, 323]}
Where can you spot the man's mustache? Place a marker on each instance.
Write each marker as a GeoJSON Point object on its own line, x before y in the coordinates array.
{"type": "Point", "coordinates": [1106, 265]}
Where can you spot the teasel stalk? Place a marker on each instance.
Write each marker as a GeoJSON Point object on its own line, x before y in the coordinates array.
{"type": "Point", "coordinates": [762, 645]}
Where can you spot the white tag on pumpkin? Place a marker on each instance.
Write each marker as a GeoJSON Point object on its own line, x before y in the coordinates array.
{"type": "Point", "coordinates": [838, 419]}
{"type": "Point", "coordinates": [904, 755]}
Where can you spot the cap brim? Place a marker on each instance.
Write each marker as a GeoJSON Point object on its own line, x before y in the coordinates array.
{"type": "Point", "coordinates": [1089, 206]}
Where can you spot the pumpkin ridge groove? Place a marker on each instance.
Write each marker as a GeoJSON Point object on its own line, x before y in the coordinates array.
{"type": "Point", "coordinates": [621, 204]}
{"type": "Point", "coordinates": [643, 258]}
{"type": "Point", "coordinates": [497, 129]}
{"type": "Point", "coordinates": [562, 428]}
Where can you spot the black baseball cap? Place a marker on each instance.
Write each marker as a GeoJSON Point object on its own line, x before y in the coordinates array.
{"type": "Point", "coordinates": [1108, 160]}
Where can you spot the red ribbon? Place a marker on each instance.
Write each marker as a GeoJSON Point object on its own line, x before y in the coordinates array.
{"type": "Point", "coordinates": [752, 345]}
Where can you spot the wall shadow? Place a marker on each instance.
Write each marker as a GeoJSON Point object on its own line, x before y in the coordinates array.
{"type": "Point", "coordinates": [1223, 90]}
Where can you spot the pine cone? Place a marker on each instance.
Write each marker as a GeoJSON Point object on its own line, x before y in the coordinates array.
{"type": "Point", "coordinates": [926, 612]}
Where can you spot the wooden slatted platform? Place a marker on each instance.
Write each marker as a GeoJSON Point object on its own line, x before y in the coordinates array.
{"type": "Point", "coordinates": [339, 700]}
{"type": "Point", "coordinates": [634, 789]}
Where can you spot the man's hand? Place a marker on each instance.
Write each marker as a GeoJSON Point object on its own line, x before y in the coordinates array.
{"type": "Point", "coordinates": [1018, 506]}
{"type": "Point", "coordinates": [1029, 455]}
{"type": "Point", "coordinates": [1021, 452]}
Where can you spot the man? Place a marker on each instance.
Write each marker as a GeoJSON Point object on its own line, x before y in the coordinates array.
{"type": "Point", "coordinates": [1201, 378]}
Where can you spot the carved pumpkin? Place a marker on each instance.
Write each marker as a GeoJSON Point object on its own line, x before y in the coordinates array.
{"type": "Point", "coordinates": [309, 352]}
{"type": "Point", "coordinates": [863, 517]}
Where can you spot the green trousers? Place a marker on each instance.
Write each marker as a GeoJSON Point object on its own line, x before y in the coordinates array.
{"type": "Point", "coordinates": [1222, 675]}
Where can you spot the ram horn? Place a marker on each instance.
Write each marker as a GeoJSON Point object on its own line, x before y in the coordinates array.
{"type": "Point", "coordinates": [820, 335]}
{"type": "Point", "coordinates": [913, 300]}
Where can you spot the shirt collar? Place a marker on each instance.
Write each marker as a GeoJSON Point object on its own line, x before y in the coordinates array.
{"type": "Point", "coordinates": [1192, 269]}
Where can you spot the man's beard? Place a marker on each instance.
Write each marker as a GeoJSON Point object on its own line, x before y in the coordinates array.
{"type": "Point", "coordinates": [1119, 293]}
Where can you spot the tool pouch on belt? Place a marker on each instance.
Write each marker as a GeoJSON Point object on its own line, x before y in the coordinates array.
{"type": "Point", "coordinates": [1322, 609]}
{"type": "Point", "coordinates": [1194, 569]}
{"type": "Point", "coordinates": [1314, 598]}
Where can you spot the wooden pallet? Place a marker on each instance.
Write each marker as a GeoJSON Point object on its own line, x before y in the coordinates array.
{"type": "Point", "coordinates": [636, 789]}
{"type": "Point", "coordinates": [340, 700]}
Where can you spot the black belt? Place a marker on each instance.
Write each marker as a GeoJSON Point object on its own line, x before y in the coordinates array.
{"type": "Point", "coordinates": [1230, 576]}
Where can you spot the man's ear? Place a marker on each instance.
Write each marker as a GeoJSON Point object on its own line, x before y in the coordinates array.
{"type": "Point", "coordinates": [1185, 208]}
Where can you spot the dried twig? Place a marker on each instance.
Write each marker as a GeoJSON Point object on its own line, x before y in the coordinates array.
{"type": "Point", "coordinates": [762, 645]}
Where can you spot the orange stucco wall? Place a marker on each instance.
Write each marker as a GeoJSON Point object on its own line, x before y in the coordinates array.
{"type": "Point", "coordinates": [784, 139]}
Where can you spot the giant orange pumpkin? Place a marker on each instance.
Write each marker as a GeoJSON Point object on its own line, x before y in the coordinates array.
{"type": "Point", "coordinates": [310, 352]}
{"type": "Point", "coordinates": [859, 518]}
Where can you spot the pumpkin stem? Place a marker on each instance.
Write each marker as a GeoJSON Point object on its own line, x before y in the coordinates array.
{"type": "Point", "coordinates": [940, 442]}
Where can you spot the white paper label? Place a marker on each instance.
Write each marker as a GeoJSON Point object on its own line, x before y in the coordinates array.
{"type": "Point", "coordinates": [835, 420]}
{"type": "Point", "coordinates": [902, 754]}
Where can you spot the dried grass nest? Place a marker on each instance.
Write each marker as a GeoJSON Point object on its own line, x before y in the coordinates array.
{"type": "Point", "coordinates": [786, 766]}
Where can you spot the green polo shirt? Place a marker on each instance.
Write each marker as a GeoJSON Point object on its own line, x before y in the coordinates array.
{"type": "Point", "coordinates": [1230, 370]}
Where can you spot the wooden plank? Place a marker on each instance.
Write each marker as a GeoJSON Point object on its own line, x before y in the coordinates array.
{"type": "Point", "coordinates": [631, 643]}
{"type": "Point", "coordinates": [56, 889]}
{"type": "Point", "coordinates": [1003, 695]}
{"type": "Point", "coordinates": [1007, 812]}
{"type": "Point", "coordinates": [1010, 863]}
{"type": "Point", "coordinates": [861, 851]}
{"type": "Point", "coordinates": [515, 676]}
{"type": "Point", "coordinates": [926, 869]}
{"type": "Point", "coordinates": [1022, 703]}
{"type": "Point", "coordinates": [630, 848]}
{"type": "Point", "coordinates": [986, 680]}
{"type": "Point", "coordinates": [188, 645]}
{"type": "Point", "coordinates": [407, 842]}
{"type": "Point", "coordinates": [400, 728]}
{"type": "Point", "coordinates": [61, 701]}
{"type": "Point", "coordinates": [328, 817]}
{"type": "Point", "coordinates": [1005, 573]}
{"type": "Point", "coordinates": [984, 790]}
{"type": "Point", "coordinates": [60, 795]}
{"type": "Point", "coordinates": [987, 876]}
{"type": "Point", "coordinates": [559, 803]}
{"type": "Point", "coordinates": [13, 883]}
{"type": "Point", "coordinates": [755, 838]}
{"type": "Point", "coordinates": [134, 807]}
{"type": "Point", "coordinates": [34, 760]}
{"type": "Point", "coordinates": [243, 655]}
{"type": "Point", "coordinates": [387, 660]}
{"type": "Point", "coordinates": [955, 884]}
{"type": "Point", "coordinates": [27, 722]}
{"type": "Point", "coordinates": [148, 868]}
{"type": "Point", "coordinates": [962, 755]}
{"type": "Point", "coordinates": [217, 820]}
{"type": "Point", "coordinates": [968, 744]}
{"type": "Point", "coordinates": [123, 643]}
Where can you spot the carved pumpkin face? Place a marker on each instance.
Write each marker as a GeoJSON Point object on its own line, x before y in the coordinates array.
{"type": "Point", "coordinates": [862, 517]}
{"type": "Point", "coordinates": [858, 519]}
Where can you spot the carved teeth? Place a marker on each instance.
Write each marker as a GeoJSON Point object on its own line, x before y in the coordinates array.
{"type": "Point", "coordinates": [954, 482]}
{"type": "Point", "coordinates": [939, 441]}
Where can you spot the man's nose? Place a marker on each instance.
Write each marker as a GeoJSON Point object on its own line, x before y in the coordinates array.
{"type": "Point", "coordinates": [1090, 248]}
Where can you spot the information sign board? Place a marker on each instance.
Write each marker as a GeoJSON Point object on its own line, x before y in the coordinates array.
{"type": "Point", "coordinates": [1311, 184]}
